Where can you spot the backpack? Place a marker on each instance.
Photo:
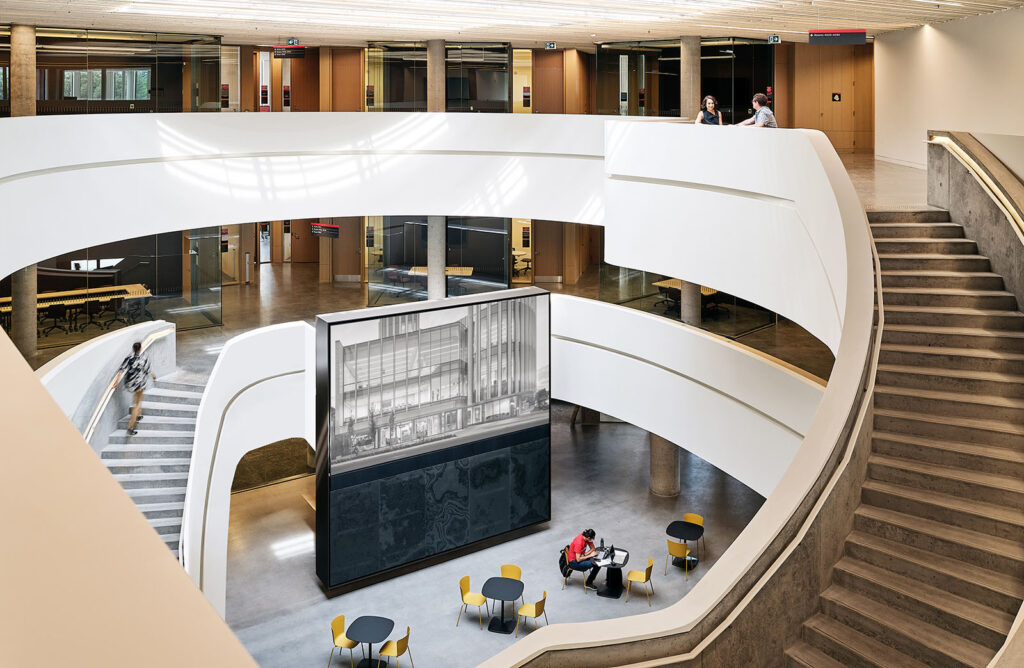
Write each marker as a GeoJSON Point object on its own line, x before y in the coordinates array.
{"type": "Point", "coordinates": [563, 562]}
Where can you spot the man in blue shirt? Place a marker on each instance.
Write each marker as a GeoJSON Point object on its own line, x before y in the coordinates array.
{"type": "Point", "coordinates": [763, 116]}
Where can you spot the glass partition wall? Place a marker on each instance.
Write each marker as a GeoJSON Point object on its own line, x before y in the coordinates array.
{"type": "Point", "coordinates": [102, 71]}
{"type": "Point", "coordinates": [638, 79]}
{"type": "Point", "coordinates": [733, 70]}
{"type": "Point", "coordinates": [477, 77]}
{"type": "Point", "coordinates": [396, 76]}
{"type": "Point", "coordinates": [175, 276]}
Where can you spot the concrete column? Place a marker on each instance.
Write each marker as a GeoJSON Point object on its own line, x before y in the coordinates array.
{"type": "Point", "coordinates": [689, 76]}
{"type": "Point", "coordinates": [664, 467]}
{"type": "Point", "coordinates": [689, 303]}
{"type": "Point", "coordinates": [23, 103]}
{"type": "Point", "coordinates": [437, 255]}
{"type": "Point", "coordinates": [435, 75]}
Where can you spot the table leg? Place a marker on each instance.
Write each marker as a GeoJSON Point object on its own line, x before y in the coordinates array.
{"type": "Point", "coordinates": [500, 625]}
{"type": "Point", "coordinates": [368, 662]}
{"type": "Point", "coordinates": [612, 587]}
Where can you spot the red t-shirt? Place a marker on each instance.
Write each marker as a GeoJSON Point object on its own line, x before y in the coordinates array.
{"type": "Point", "coordinates": [578, 546]}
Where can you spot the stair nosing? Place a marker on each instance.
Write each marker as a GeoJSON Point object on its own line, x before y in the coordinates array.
{"type": "Point", "coordinates": [869, 647]}
{"type": "Point", "coordinates": [976, 449]}
{"type": "Point", "coordinates": [984, 509]}
{"type": "Point", "coordinates": [973, 374]}
{"type": "Point", "coordinates": [999, 426]}
{"type": "Point", "coordinates": [991, 400]}
{"type": "Point", "coordinates": [1002, 547]}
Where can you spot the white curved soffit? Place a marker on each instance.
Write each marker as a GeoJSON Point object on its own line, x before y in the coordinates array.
{"type": "Point", "coordinates": [770, 216]}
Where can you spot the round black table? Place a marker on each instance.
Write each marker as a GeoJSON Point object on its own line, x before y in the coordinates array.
{"type": "Point", "coordinates": [612, 563]}
{"type": "Point", "coordinates": [502, 589]}
{"type": "Point", "coordinates": [685, 531]}
{"type": "Point", "coordinates": [369, 629]}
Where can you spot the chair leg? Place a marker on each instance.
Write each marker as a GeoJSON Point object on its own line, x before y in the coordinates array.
{"type": "Point", "coordinates": [651, 582]}
{"type": "Point", "coordinates": [351, 659]}
{"type": "Point", "coordinates": [648, 595]}
{"type": "Point", "coordinates": [546, 617]}
{"type": "Point", "coordinates": [628, 583]}
{"type": "Point", "coordinates": [517, 626]}
{"type": "Point", "coordinates": [666, 564]}
{"type": "Point", "coordinates": [480, 616]}
{"type": "Point", "coordinates": [330, 657]}
{"type": "Point", "coordinates": [413, 663]}
{"type": "Point", "coordinates": [459, 618]}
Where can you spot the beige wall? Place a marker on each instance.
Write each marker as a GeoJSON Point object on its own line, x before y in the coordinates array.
{"type": "Point", "coordinates": [960, 75]}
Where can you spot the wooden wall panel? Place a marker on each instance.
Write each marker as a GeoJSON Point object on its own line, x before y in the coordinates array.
{"type": "Point", "coordinates": [275, 84]}
{"type": "Point", "coordinates": [348, 248]}
{"type": "Point", "coordinates": [306, 81]}
{"type": "Point", "coordinates": [577, 81]}
{"type": "Point", "coordinates": [783, 86]}
{"type": "Point", "coordinates": [276, 242]}
{"type": "Point", "coordinates": [347, 75]}
{"type": "Point", "coordinates": [821, 71]}
{"type": "Point", "coordinates": [248, 77]}
{"type": "Point", "coordinates": [548, 89]}
{"type": "Point", "coordinates": [305, 247]}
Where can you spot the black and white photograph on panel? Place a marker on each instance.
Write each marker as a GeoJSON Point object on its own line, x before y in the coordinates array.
{"type": "Point", "coordinates": [433, 378]}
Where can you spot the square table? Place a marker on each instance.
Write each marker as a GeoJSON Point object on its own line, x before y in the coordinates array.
{"type": "Point", "coordinates": [502, 589]}
{"type": "Point", "coordinates": [369, 630]}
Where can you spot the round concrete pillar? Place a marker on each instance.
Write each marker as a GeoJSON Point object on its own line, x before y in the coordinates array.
{"type": "Point", "coordinates": [689, 77]}
{"type": "Point", "coordinates": [23, 103]}
{"type": "Point", "coordinates": [689, 303]}
{"type": "Point", "coordinates": [436, 100]}
{"type": "Point", "coordinates": [437, 255]}
{"type": "Point", "coordinates": [664, 467]}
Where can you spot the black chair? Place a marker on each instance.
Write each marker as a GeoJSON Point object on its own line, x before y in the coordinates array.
{"type": "Point", "coordinates": [5, 321]}
{"type": "Point", "coordinates": [118, 311]}
{"type": "Point", "coordinates": [58, 314]}
{"type": "Point", "coordinates": [669, 296]}
{"type": "Point", "coordinates": [90, 308]}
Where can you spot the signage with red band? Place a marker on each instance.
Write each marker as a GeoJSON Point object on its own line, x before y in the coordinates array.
{"type": "Point", "coordinates": [856, 36]}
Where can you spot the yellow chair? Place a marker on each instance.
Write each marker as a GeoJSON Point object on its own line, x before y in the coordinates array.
{"type": "Point", "coordinates": [532, 610]}
{"type": "Point", "coordinates": [512, 572]}
{"type": "Point", "coordinates": [397, 648]}
{"type": "Point", "coordinates": [340, 640]}
{"type": "Point", "coordinates": [678, 550]}
{"type": "Point", "coordinates": [470, 598]}
{"type": "Point", "coordinates": [643, 576]}
{"type": "Point", "coordinates": [694, 518]}
{"type": "Point", "coordinates": [571, 571]}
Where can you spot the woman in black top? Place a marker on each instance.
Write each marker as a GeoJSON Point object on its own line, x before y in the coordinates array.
{"type": "Point", "coordinates": [709, 113]}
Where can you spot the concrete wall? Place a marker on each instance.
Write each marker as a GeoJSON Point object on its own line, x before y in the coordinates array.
{"type": "Point", "coordinates": [960, 75]}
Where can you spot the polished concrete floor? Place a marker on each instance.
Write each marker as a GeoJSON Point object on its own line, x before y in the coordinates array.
{"type": "Point", "coordinates": [599, 480]}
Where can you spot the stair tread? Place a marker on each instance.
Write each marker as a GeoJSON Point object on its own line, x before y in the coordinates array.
{"type": "Point", "coordinates": [162, 419]}
{"type": "Point", "coordinates": [954, 373]}
{"type": "Point", "coordinates": [171, 538]}
{"type": "Point", "coordinates": [957, 352]}
{"type": "Point", "coordinates": [928, 256]}
{"type": "Point", "coordinates": [947, 291]}
{"type": "Point", "coordinates": [164, 505]}
{"type": "Point", "coordinates": [983, 541]}
{"type": "Point", "coordinates": [149, 461]}
{"type": "Point", "coordinates": [961, 397]}
{"type": "Point", "coordinates": [991, 425]}
{"type": "Point", "coordinates": [980, 614]}
{"type": "Point", "coordinates": [164, 522]}
{"type": "Point", "coordinates": [860, 644]}
{"type": "Point", "coordinates": [966, 242]}
{"type": "Point", "coordinates": [953, 568]}
{"type": "Point", "coordinates": [154, 433]}
{"type": "Point", "coordinates": [991, 451]}
{"type": "Point", "coordinates": [168, 404]}
{"type": "Point", "coordinates": [915, 224]}
{"type": "Point", "coordinates": [951, 310]}
{"type": "Point", "coordinates": [170, 392]}
{"type": "Point", "coordinates": [137, 492]}
{"type": "Point", "coordinates": [162, 475]}
{"type": "Point", "coordinates": [933, 637]}
{"type": "Point", "coordinates": [1009, 483]}
{"type": "Point", "coordinates": [114, 448]}
{"type": "Point", "coordinates": [940, 273]}
{"type": "Point", "coordinates": [811, 657]}
{"type": "Point", "coordinates": [993, 511]}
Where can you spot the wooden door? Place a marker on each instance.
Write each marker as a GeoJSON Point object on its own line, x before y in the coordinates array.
{"type": "Point", "coordinates": [305, 247]}
{"type": "Point", "coordinates": [547, 251]}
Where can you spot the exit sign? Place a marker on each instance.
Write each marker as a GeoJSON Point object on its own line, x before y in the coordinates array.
{"type": "Point", "coordinates": [549, 45]}
{"type": "Point", "coordinates": [774, 39]}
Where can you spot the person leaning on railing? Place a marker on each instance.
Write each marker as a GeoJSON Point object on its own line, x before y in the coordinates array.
{"type": "Point", "coordinates": [135, 372]}
{"type": "Point", "coordinates": [763, 116]}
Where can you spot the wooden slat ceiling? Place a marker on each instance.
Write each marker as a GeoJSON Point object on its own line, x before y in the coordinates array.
{"type": "Point", "coordinates": [522, 22]}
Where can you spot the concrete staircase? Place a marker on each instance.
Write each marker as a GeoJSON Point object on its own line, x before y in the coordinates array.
{"type": "Point", "coordinates": [933, 571]}
{"type": "Point", "coordinates": [152, 466]}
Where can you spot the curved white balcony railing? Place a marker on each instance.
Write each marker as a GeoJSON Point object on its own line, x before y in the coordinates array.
{"type": "Point", "coordinates": [770, 216]}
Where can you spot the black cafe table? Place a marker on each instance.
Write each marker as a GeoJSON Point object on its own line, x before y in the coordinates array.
{"type": "Point", "coordinates": [612, 563]}
{"type": "Point", "coordinates": [502, 589]}
{"type": "Point", "coordinates": [369, 630]}
{"type": "Point", "coordinates": [685, 531]}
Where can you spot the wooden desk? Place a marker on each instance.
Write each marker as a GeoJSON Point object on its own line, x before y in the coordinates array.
{"type": "Point", "coordinates": [79, 297]}
{"type": "Point", "coordinates": [448, 271]}
{"type": "Point", "coordinates": [676, 284]}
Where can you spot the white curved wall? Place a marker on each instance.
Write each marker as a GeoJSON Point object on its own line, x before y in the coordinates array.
{"type": "Point", "coordinates": [261, 391]}
{"type": "Point", "coordinates": [721, 401]}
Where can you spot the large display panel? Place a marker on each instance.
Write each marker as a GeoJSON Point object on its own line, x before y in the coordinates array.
{"type": "Point", "coordinates": [433, 429]}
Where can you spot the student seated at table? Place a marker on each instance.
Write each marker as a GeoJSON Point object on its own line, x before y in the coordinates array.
{"type": "Point", "coordinates": [582, 553]}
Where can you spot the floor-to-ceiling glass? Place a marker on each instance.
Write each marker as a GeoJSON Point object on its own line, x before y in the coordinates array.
{"type": "Point", "coordinates": [477, 77]}
{"type": "Point", "coordinates": [396, 76]}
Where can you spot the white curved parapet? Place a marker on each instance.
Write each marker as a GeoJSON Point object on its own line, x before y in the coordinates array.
{"type": "Point", "coordinates": [261, 391]}
{"type": "Point", "coordinates": [725, 403]}
{"type": "Point", "coordinates": [767, 215]}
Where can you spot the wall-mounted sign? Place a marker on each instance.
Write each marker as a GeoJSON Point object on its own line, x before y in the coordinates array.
{"type": "Point", "coordinates": [287, 227]}
{"type": "Point", "coordinates": [837, 97]}
{"type": "Point", "coordinates": [526, 236]}
{"type": "Point", "coordinates": [549, 45]}
{"type": "Point", "coordinates": [526, 96]}
{"type": "Point", "coordinates": [837, 37]}
{"type": "Point", "coordinates": [369, 236]}
{"type": "Point", "coordinates": [369, 95]}
{"type": "Point", "coordinates": [264, 98]}
{"type": "Point", "coordinates": [286, 96]}
{"type": "Point", "coordinates": [224, 96]}
{"type": "Point", "coordinates": [292, 51]}
{"type": "Point", "coordinates": [329, 230]}
{"type": "Point", "coordinates": [642, 97]}
{"type": "Point", "coordinates": [774, 39]}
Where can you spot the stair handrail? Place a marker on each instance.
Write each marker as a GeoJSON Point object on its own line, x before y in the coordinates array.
{"type": "Point", "coordinates": [108, 392]}
{"type": "Point", "coordinates": [957, 145]}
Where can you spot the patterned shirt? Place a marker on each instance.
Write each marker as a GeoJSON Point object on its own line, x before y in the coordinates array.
{"type": "Point", "coordinates": [765, 115]}
{"type": "Point", "coordinates": [136, 372]}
